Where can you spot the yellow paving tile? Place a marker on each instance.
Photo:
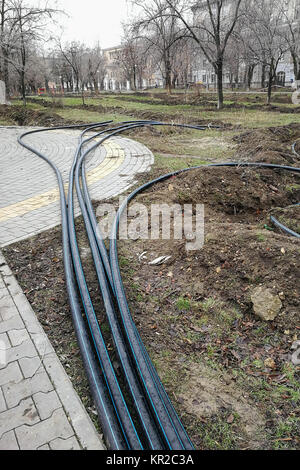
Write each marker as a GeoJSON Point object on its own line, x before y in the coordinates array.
{"type": "Point", "coordinates": [115, 156]}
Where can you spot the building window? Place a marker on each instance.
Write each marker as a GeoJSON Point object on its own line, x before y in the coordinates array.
{"type": "Point", "coordinates": [281, 78]}
{"type": "Point", "coordinates": [204, 78]}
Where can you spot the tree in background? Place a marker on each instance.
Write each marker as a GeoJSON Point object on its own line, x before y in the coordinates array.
{"type": "Point", "coordinates": [291, 32]}
{"type": "Point", "coordinates": [266, 28]}
{"type": "Point", "coordinates": [81, 66]}
{"type": "Point", "coordinates": [211, 25]}
{"type": "Point", "coordinates": [132, 59]}
{"type": "Point", "coordinates": [161, 32]}
{"type": "Point", "coordinates": [95, 66]}
{"type": "Point", "coordinates": [23, 29]}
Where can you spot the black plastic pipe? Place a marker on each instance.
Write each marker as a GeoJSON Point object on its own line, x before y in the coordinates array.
{"type": "Point", "coordinates": [113, 435]}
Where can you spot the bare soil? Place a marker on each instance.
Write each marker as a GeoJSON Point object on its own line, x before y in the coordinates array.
{"type": "Point", "coordinates": [23, 116]}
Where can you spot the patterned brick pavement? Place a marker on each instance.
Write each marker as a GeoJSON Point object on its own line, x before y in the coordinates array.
{"type": "Point", "coordinates": [39, 408]}
{"type": "Point", "coordinates": [29, 201]}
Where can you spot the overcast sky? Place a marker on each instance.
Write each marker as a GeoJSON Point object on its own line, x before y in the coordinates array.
{"type": "Point", "coordinates": [95, 20]}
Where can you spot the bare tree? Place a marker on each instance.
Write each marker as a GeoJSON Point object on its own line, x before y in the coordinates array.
{"type": "Point", "coordinates": [95, 66]}
{"type": "Point", "coordinates": [265, 26]}
{"type": "Point", "coordinates": [6, 42]}
{"type": "Point", "coordinates": [160, 29]}
{"type": "Point", "coordinates": [248, 56]}
{"type": "Point", "coordinates": [22, 26]}
{"type": "Point", "coordinates": [233, 60]}
{"type": "Point", "coordinates": [291, 32]}
{"type": "Point", "coordinates": [211, 26]}
{"type": "Point", "coordinates": [182, 61]}
{"type": "Point", "coordinates": [132, 59]}
{"type": "Point", "coordinates": [75, 55]}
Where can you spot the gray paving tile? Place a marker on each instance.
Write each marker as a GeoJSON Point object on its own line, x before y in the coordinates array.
{"type": "Point", "coordinates": [8, 441]}
{"type": "Point", "coordinates": [44, 447]}
{"type": "Point", "coordinates": [18, 337]}
{"type": "Point", "coordinates": [10, 374]}
{"type": "Point", "coordinates": [3, 406]}
{"type": "Point", "coordinates": [33, 437]}
{"type": "Point", "coordinates": [24, 414]}
{"type": "Point", "coordinates": [46, 403]}
{"type": "Point", "coordinates": [65, 444]}
{"type": "Point", "coordinates": [15, 392]}
{"type": "Point", "coordinates": [25, 349]}
{"type": "Point", "coordinates": [30, 366]}
{"type": "Point", "coordinates": [31, 177]}
{"type": "Point", "coordinates": [14, 323]}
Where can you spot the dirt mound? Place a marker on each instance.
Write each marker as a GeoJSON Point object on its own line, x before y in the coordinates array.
{"type": "Point", "coordinates": [209, 100]}
{"type": "Point", "coordinates": [244, 194]}
{"type": "Point", "coordinates": [238, 204]}
{"type": "Point", "coordinates": [271, 145]}
{"type": "Point", "coordinates": [29, 117]}
{"type": "Point", "coordinates": [229, 371]}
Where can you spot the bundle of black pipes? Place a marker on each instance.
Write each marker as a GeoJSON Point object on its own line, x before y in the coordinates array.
{"type": "Point", "coordinates": [155, 425]}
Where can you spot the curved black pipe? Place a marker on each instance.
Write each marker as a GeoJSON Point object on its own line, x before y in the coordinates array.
{"type": "Point", "coordinates": [111, 430]}
{"type": "Point", "coordinates": [171, 428]}
{"type": "Point", "coordinates": [235, 164]}
{"type": "Point", "coordinates": [119, 403]}
{"type": "Point", "coordinates": [150, 432]}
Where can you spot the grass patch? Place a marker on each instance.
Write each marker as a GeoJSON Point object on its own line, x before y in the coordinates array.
{"type": "Point", "coordinates": [217, 434]}
{"type": "Point", "coordinates": [183, 304]}
{"type": "Point", "coordinates": [244, 117]}
{"type": "Point", "coordinates": [89, 116]}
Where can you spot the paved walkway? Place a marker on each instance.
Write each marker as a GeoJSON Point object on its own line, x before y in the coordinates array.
{"type": "Point", "coordinates": [39, 408]}
{"type": "Point", "coordinates": [29, 199]}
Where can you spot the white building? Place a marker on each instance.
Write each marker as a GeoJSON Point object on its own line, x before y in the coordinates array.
{"type": "Point", "coordinates": [203, 72]}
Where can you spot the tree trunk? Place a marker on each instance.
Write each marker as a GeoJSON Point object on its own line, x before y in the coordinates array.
{"type": "Point", "coordinates": [23, 90]}
{"type": "Point", "coordinates": [5, 74]}
{"type": "Point", "coordinates": [134, 78]}
{"type": "Point", "coordinates": [263, 76]}
{"type": "Point", "coordinates": [168, 82]}
{"type": "Point", "coordinates": [219, 73]}
{"type": "Point", "coordinates": [96, 86]}
{"type": "Point", "coordinates": [250, 73]}
{"type": "Point", "coordinates": [168, 74]}
{"type": "Point", "coordinates": [270, 81]}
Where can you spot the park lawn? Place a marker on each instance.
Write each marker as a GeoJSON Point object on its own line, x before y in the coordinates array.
{"type": "Point", "coordinates": [167, 143]}
{"type": "Point", "coordinates": [29, 105]}
{"type": "Point", "coordinates": [128, 105]}
{"type": "Point", "coordinates": [172, 144]}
